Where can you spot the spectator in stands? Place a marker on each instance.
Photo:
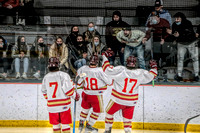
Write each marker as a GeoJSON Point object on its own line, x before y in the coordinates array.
{"type": "Point", "coordinates": [198, 31]}
{"type": "Point", "coordinates": [182, 32]}
{"type": "Point", "coordinates": [10, 7]}
{"type": "Point", "coordinates": [112, 28]}
{"type": "Point", "coordinates": [159, 28]}
{"type": "Point", "coordinates": [21, 52]}
{"type": "Point", "coordinates": [71, 38]}
{"type": "Point", "coordinates": [162, 12]}
{"type": "Point", "coordinates": [81, 49]}
{"type": "Point", "coordinates": [10, 4]}
{"type": "Point", "coordinates": [39, 57]}
{"type": "Point", "coordinates": [90, 33]}
{"type": "Point", "coordinates": [3, 56]}
{"type": "Point", "coordinates": [96, 47]}
{"type": "Point", "coordinates": [60, 50]}
{"type": "Point", "coordinates": [133, 41]}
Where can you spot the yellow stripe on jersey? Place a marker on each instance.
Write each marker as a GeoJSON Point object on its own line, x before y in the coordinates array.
{"type": "Point", "coordinates": [126, 97]}
{"type": "Point", "coordinates": [45, 96]}
{"type": "Point", "coordinates": [106, 64]}
{"type": "Point", "coordinates": [153, 73]}
{"type": "Point", "coordinates": [59, 102]}
{"type": "Point", "coordinates": [70, 92]}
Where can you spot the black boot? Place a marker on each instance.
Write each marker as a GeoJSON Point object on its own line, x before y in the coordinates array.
{"type": "Point", "coordinates": [196, 78]}
{"type": "Point", "coordinates": [81, 126]}
{"type": "Point", "coordinates": [178, 78]}
{"type": "Point", "coordinates": [89, 129]}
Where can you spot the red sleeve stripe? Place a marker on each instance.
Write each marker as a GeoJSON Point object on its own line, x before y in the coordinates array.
{"type": "Point", "coordinates": [152, 72]}
{"type": "Point", "coordinates": [70, 92]}
{"type": "Point", "coordinates": [45, 96]}
{"type": "Point", "coordinates": [105, 65]}
{"type": "Point", "coordinates": [80, 83]}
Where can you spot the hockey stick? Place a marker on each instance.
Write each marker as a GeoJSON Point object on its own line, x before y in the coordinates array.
{"type": "Point", "coordinates": [188, 120]}
{"type": "Point", "coordinates": [152, 52]}
{"type": "Point", "coordinates": [76, 82]}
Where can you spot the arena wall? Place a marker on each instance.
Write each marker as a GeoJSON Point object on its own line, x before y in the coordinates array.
{"type": "Point", "coordinates": [159, 107]}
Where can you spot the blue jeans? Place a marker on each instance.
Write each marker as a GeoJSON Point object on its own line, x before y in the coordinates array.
{"type": "Point", "coordinates": [194, 53]}
{"type": "Point", "coordinates": [17, 64]}
{"type": "Point", "coordinates": [79, 63]}
{"type": "Point", "coordinates": [139, 52]}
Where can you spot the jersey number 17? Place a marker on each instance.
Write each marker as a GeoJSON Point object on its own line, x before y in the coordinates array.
{"type": "Point", "coordinates": [128, 81]}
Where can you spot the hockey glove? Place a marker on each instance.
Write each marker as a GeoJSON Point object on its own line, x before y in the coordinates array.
{"type": "Point", "coordinates": [108, 53]}
{"type": "Point", "coordinates": [77, 97]}
{"type": "Point", "coordinates": [153, 64]}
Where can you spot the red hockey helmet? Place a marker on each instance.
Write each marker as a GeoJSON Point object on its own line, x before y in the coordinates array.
{"type": "Point", "coordinates": [131, 61]}
{"type": "Point", "coordinates": [94, 60]}
{"type": "Point", "coordinates": [54, 62]}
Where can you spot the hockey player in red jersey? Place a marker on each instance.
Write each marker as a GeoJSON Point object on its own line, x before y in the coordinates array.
{"type": "Point", "coordinates": [94, 84]}
{"type": "Point", "coordinates": [124, 95]}
{"type": "Point", "coordinates": [58, 88]}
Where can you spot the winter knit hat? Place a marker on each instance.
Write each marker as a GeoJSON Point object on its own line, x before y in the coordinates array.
{"type": "Point", "coordinates": [117, 13]}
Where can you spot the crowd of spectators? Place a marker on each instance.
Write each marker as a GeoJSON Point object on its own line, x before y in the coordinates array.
{"type": "Point", "coordinates": [120, 41]}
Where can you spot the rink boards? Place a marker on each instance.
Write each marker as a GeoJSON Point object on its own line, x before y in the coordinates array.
{"type": "Point", "coordinates": [162, 107]}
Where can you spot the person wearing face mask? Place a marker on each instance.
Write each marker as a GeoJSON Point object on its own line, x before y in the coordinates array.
{"type": "Point", "coordinates": [112, 28]}
{"type": "Point", "coordinates": [198, 34]}
{"type": "Point", "coordinates": [60, 50]}
{"type": "Point", "coordinates": [90, 33]}
{"type": "Point", "coordinates": [96, 48]}
{"type": "Point", "coordinates": [133, 41]}
{"type": "Point", "coordinates": [71, 38]}
{"type": "Point", "coordinates": [39, 57]}
{"type": "Point", "coordinates": [158, 27]}
{"type": "Point", "coordinates": [162, 12]}
{"type": "Point", "coordinates": [21, 52]}
{"type": "Point", "coordinates": [81, 50]}
{"type": "Point", "coordinates": [3, 57]}
{"type": "Point", "coordinates": [183, 33]}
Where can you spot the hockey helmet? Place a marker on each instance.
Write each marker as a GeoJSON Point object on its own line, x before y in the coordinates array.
{"type": "Point", "coordinates": [131, 62]}
{"type": "Point", "coordinates": [53, 62]}
{"type": "Point", "coordinates": [94, 60]}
